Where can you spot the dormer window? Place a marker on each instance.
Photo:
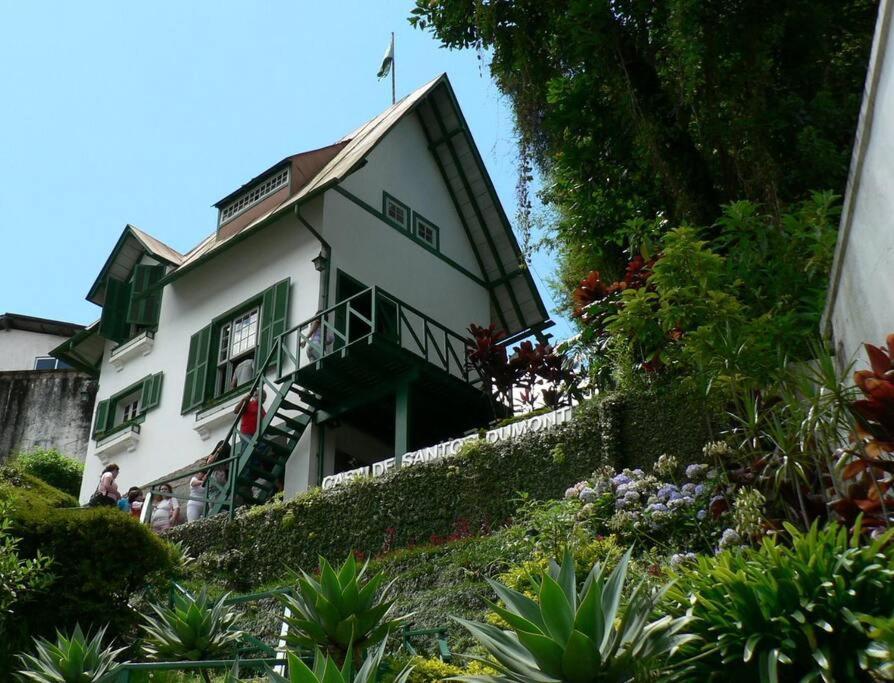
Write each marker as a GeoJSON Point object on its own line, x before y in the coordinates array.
{"type": "Point", "coordinates": [253, 195]}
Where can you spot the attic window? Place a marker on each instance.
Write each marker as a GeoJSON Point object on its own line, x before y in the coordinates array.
{"type": "Point", "coordinates": [396, 212]}
{"type": "Point", "coordinates": [254, 195]}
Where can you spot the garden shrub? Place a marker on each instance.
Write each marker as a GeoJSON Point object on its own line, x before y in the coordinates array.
{"type": "Point", "coordinates": [482, 486]}
{"type": "Point", "coordinates": [54, 468]}
{"type": "Point", "coordinates": [799, 609]}
{"type": "Point", "coordinates": [100, 556]}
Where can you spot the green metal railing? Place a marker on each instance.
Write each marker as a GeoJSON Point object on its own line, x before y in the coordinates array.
{"type": "Point", "coordinates": [372, 314]}
{"type": "Point", "coordinates": [375, 314]}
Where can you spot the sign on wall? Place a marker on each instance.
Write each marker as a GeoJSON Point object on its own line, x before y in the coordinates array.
{"type": "Point", "coordinates": [446, 449]}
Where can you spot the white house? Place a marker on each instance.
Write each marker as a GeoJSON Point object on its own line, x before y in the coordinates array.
{"type": "Point", "coordinates": [26, 342]}
{"type": "Point", "coordinates": [858, 305]}
{"type": "Point", "coordinates": [347, 277]}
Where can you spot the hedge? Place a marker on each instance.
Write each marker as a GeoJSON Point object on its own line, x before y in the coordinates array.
{"type": "Point", "coordinates": [100, 557]}
{"type": "Point", "coordinates": [481, 486]}
{"type": "Point", "coordinates": [52, 467]}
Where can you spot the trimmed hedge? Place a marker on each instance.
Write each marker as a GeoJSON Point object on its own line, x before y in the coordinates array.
{"type": "Point", "coordinates": [54, 468]}
{"type": "Point", "coordinates": [100, 557]}
{"type": "Point", "coordinates": [481, 486]}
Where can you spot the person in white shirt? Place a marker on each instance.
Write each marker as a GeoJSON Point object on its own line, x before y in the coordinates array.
{"type": "Point", "coordinates": [167, 511]}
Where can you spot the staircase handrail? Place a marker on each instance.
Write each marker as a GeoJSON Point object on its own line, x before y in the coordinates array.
{"type": "Point", "coordinates": [230, 435]}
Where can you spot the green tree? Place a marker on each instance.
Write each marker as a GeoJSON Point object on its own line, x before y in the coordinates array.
{"type": "Point", "coordinates": [637, 109]}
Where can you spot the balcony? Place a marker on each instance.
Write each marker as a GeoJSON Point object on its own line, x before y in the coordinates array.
{"type": "Point", "coordinates": [361, 346]}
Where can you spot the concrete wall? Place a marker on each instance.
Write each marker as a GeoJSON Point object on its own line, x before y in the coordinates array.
{"type": "Point", "coordinates": [19, 348]}
{"type": "Point", "coordinates": [45, 409]}
{"type": "Point", "coordinates": [861, 290]}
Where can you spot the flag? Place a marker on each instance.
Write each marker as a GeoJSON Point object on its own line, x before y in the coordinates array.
{"type": "Point", "coordinates": [387, 60]}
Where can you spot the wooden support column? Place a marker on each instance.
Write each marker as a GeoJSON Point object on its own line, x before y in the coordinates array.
{"type": "Point", "coordinates": [402, 421]}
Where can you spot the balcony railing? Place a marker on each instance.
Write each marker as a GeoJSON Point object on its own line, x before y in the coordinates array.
{"type": "Point", "coordinates": [375, 315]}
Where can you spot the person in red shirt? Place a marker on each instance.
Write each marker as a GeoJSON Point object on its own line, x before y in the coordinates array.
{"type": "Point", "coordinates": [248, 422]}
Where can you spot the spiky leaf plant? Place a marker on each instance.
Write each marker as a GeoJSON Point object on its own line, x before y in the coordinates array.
{"type": "Point", "coordinates": [327, 670]}
{"type": "Point", "coordinates": [78, 658]}
{"type": "Point", "coordinates": [577, 637]}
{"type": "Point", "coordinates": [339, 612]}
{"type": "Point", "coordinates": [193, 629]}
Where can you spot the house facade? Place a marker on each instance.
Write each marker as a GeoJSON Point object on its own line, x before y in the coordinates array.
{"type": "Point", "coordinates": [337, 289]}
{"type": "Point", "coordinates": [858, 308]}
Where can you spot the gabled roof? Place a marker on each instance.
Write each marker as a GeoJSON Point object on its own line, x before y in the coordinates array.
{"type": "Point", "coordinates": [516, 303]}
{"type": "Point", "coordinates": [128, 251]}
{"type": "Point", "coordinates": [28, 323]}
{"type": "Point", "coordinates": [84, 350]}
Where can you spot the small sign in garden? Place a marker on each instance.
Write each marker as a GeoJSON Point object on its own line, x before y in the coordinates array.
{"type": "Point", "coordinates": [445, 449]}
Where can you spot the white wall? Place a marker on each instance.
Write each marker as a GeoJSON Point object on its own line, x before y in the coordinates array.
{"type": "Point", "coordinates": [859, 306]}
{"type": "Point", "coordinates": [19, 348]}
{"type": "Point", "coordinates": [375, 253]}
{"type": "Point", "coordinates": [167, 438]}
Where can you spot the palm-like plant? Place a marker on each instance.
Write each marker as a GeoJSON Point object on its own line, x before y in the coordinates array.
{"type": "Point", "coordinates": [193, 629]}
{"type": "Point", "coordinates": [78, 658]}
{"type": "Point", "coordinates": [577, 637]}
{"type": "Point", "coordinates": [327, 670]}
{"type": "Point", "coordinates": [338, 612]}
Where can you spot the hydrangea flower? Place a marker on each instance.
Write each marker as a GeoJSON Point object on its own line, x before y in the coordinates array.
{"type": "Point", "coordinates": [621, 479]}
{"type": "Point", "coordinates": [588, 495]}
{"type": "Point", "coordinates": [696, 472]}
{"type": "Point", "coordinates": [701, 515]}
{"type": "Point", "coordinates": [729, 539]}
{"type": "Point", "coordinates": [571, 493]}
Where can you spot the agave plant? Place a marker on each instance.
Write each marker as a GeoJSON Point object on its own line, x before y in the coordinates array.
{"type": "Point", "coordinates": [338, 613]}
{"type": "Point", "coordinates": [78, 658]}
{"type": "Point", "coordinates": [577, 637]}
{"type": "Point", "coordinates": [193, 629]}
{"type": "Point", "coordinates": [327, 670]}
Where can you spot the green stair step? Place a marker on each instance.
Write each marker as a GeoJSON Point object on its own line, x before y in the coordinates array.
{"type": "Point", "coordinates": [288, 405]}
{"type": "Point", "coordinates": [296, 423]}
{"type": "Point", "coordinates": [277, 430]}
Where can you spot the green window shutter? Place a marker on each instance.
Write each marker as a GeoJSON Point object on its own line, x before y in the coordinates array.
{"type": "Point", "coordinates": [145, 301]}
{"type": "Point", "coordinates": [274, 311]}
{"type": "Point", "coordinates": [151, 394]}
{"type": "Point", "coordinates": [113, 323]}
{"type": "Point", "coordinates": [197, 369]}
{"type": "Point", "coordinates": [102, 417]}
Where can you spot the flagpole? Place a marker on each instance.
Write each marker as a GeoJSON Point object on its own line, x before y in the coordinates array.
{"type": "Point", "coordinates": [393, 69]}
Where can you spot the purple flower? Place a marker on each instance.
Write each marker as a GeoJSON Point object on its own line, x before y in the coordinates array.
{"type": "Point", "coordinates": [701, 514]}
{"type": "Point", "coordinates": [620, 479]}
{"type": "Point", "coordinates": [699, 489]}
{"type": "Point", "coordinates": [696, 471]}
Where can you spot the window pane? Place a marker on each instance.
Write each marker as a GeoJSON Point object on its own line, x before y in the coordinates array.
{"type": "Point", "coordinates": [44, 363]}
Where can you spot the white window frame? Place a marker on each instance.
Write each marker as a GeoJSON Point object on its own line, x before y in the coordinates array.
{"type": "Point", "coordinates": [227, 357]}
{"type": "Point", "coordinates": [389, 203]}
{"type": "Point", "coordinates": [127, 408]}
{"type": "Point", "coordinates": [253, 196]}
{"type": "Point", "coordinates": [40, 358]}
{"type": "Point", "coordinates": [419, 224]}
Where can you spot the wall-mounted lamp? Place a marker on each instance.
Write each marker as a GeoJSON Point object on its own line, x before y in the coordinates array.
{"type": "Point", "coordinates": [320, 262]}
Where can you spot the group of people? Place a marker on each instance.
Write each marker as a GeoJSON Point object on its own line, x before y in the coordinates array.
{"type": "Point", "coordinates": [166, 509]}
{"type": "Point", "coordinates": [204, 486]}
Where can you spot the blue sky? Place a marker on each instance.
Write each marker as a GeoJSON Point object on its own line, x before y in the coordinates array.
{"type": "Point", "coordinates": [147, 113]}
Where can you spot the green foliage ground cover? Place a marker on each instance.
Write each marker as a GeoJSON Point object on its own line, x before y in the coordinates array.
{"type": "Point", "coordinates": [480, 486]}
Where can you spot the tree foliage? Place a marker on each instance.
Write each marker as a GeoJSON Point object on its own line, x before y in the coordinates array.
{"type": "Point", "coordinates": [639, 110]}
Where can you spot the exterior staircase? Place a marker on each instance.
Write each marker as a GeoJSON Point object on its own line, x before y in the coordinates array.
{"type": "Point", "coordinates": [258, 464]}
